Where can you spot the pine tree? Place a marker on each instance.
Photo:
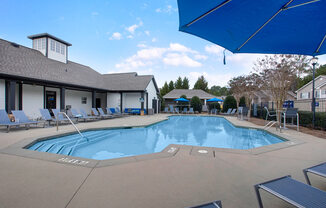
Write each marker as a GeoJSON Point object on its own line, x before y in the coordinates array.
{"type": "Point", "coordinates": [201, 84]}
{"type": "Point", "coordinates": [185, 83]}
{"type": "Point", "coordinates": [178, 83]}
{"type": "Point", "coordinates": [171, 86]}
{"type": "Point", "coordinates": [165, 89]}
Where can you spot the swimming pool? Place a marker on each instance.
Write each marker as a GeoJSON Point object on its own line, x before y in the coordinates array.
{"type": "Point", "coordinates": [183, 130]}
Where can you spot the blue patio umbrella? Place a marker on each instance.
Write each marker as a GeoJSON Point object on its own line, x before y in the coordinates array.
{"type": "Point", "coordinates": [258, 26]}
{"type": "Point", "coordinates": [181, 100]}
{"type": "Point", "coordinates": [215, 100]}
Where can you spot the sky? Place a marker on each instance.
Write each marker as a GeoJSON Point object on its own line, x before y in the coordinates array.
{"type": "Point", "coordinates": [125, 36]}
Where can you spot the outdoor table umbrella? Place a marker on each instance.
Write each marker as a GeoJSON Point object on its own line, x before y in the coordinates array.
{"type": "Point", "coordinates": [259, 26]}
{"type": "Point", "coordinates": [181, 100]}
{"type": "Point", "coordinates": [214, 100]}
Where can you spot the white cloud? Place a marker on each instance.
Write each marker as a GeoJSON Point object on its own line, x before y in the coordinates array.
{"type": "Point", "coordinates": [174, 55]}
{"type": "Point", "coordinates": [154, 40]}
{"type": "Point", "coordinates": [116, 36]}
{"type": "Point", "coordinates": [130, 37]}
{"type": "Point", "coordinates": [147, 33]}
{"type": "Point", "coordinates": [167, 9]}
{"type": "Point", "coordinates": [133, 28]}
{"type": "Point", "coordinates": [220, 79]}
{"type": "Point", "coordinates": [94, 13]}
{"type": "Point", "coordinates": [214, 49]}
{"type": "Point", "coordinates": [176, 59]}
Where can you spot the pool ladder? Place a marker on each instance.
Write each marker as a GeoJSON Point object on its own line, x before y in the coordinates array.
{"type": "Point", "coordinates": [72, 123]}
{"type": "Point", "coordinates": [270, 124]}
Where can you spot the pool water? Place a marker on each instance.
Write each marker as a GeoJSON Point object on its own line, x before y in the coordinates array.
{"type": "Point", "coordinates": [184, 130]}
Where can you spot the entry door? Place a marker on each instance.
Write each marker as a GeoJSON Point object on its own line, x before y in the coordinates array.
{"type": "Point", "coordinates": [98, 102]}
{"type": "Point", "coordinates": [154, 105]}
{"type": "Point", "coordinates": [51, 99]}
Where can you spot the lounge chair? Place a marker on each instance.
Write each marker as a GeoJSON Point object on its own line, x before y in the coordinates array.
{"type": "Point", "coordinates": [75, 114]}
{"type": "Point", "coordinates": [46, 116]}
{"type": "Point", "coordinates": [97, 114]}
{"type": "Point", "coordinates": [171, 109]}
{"type": "Point", "coordinates": [191, 111]}
{"type": "Point", "coordinates": [233, 111]}
{"type": "Point", "coordinates": [117, 110]}
{"type": "Point", "coordinates": [58, 116]}
{"type": "Point", "coordinates": [319, 170]}
{"type": "Point", "coordinates": [176, 110]}
{"type": "Point", "coordinates": [213, 111]}
{"type": "Point", "coordinates": [100, 110]}
{"type": "Point", "coordinates": [185, 110]}
{"type": "Point", "coordinates": [21, 117]}
{"type": "Point", "coordinates": [5, 121]}
{"type": "Point", "coordinates": [110, 112]}
{"type": "Point", "coordinates": [294, 192]}
{"type": "Point", "coordinates": [228, 112]}
{"type": "Point", "coordinates": [87, 117]}
{"type": "Point", "coordinates": [214, 204]}
{"type": "Point", "coordinates": [166, 110]}
{"type": "Point", "coordinates": [270, 114]}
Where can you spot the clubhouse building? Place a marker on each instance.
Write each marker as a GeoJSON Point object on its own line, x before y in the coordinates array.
{"type": "Point", "coordinates": [43, 77]}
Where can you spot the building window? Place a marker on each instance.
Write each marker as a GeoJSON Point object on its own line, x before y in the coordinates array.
{"type": "Point", "coordinates": [63, 48]}
{"type": "Point", "coordinates": [43, 43]}
{"type": "Point", "coordinates": [84, 100]}
{"type": "Point", "coordinates": [57, 47]}
{"type": "Point", "coordinates": [35, 44]}
{"type": "Point", "coordinates": [300, 95]}
{"type": "Point", "coordinates": [52, 45]}
{"type": "Point", "coordinates": [39, 44]}
{"type": "Point", "coordinates": [317, 94]}
{"type": "Point", "coordinates": [308, 94]}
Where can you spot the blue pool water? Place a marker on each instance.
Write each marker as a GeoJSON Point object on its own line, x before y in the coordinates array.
{"type": "Point", "coordinates": [185, 130]}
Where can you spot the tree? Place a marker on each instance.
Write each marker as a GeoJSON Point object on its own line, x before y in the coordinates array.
{"type": "Point", "coordinates": [165, 89]}
{"type": "Point", "coordinates": [242, 102]}
{"type": "Point", "coordinates": [185, 83]}
{"type": "Point", "coordinates": [171, 86]}
{"type": "Point", "coordinates": [229, 102]}
{"type": "Point", "coordinates": [201, 84]}
{"type": "Point", "coordinates": [278, 73]}
{"type": "Point", "coordinates": [237, 87]}
{"type": "Point", "coordinates": [183, 96]}
{"type": "Point", "coordinates": [178, 83]}
{"type": "Point", "coordinates": [305, 80]}
{"type": "Point", "coordinates": [196, 104]}
{"type": "Point", "coordinates": [252, 85]}
{"type": "Point", "coordinates": [219, 91]}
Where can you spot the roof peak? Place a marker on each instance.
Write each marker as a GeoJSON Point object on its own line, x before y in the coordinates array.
{"type": "Point", "coordinates": [41, 35]}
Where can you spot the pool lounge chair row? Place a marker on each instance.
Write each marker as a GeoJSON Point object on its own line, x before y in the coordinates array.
{"type": "Point", "coordinates": [176, 110]}
{"type": "Point", "coordinates": [20, 120]}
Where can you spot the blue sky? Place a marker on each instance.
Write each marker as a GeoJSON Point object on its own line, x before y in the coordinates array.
{"type": "Point", "coordinates": [124, 36]}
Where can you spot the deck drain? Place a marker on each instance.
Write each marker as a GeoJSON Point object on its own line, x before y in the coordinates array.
{"type": "Point", "coordinates": [203, 151]}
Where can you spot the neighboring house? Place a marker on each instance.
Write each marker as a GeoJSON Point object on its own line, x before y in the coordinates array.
{"type": "Point", "coordinates": [176, 93]}
{"type": "Point", "coordinates": [305, 92]}
{"type": "Point", "coordinates": [264, 96]}
{"type": "Point", "coordinates": [43, 77]}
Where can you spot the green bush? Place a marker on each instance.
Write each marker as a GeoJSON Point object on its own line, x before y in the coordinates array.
{"type": "Point", "coordinates": [229, 102]}
{"type": "Point", "coordinates": [305, 119]}
{"type": "Point", "coordinates": [196, 104]}
{"type": "Point", "coordinates": [242, 102]}
{"type": "Point", "coordinates": [214, 105]}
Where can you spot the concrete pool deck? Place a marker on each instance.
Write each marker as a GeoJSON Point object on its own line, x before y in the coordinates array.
{"type": "Point", "coordinates": [185, 179]}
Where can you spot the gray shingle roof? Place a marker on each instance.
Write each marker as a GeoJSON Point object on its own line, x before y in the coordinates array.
{"type": "Point", "coordinates": [16, 60]}
{"type": "Point", "coordinates": [176, 93]}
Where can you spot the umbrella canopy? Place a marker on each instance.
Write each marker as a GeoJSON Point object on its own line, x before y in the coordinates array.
{"type": "Point", "coordinates": [181, 100]}
{"type": "Point", "coordinates": [215, 100]}
{"type": "Point", "coordinates": [256, 26]}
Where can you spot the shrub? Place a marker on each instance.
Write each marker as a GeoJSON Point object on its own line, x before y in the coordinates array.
{"type": "Point", "coordinates": [183, 96]}
{"type": "Point", "coordinates": [196, 104]}
{"type": "Point", "coordinates": [214, 105]}
{"type": "Point", "coordinates": [242, 102]}
{"type": "Point", "coordinates": [305, 119]}
{"type": "Point", "coordinates": [229, 102]}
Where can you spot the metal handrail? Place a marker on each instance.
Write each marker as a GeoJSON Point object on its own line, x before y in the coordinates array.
{"type": "Point", "coordinates": [72, 123]}
{"type": "Point", "coordinates": [270, 124]}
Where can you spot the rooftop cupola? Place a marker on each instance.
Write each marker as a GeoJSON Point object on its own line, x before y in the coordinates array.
{"type": "Point", "coordinates": [51, 46]}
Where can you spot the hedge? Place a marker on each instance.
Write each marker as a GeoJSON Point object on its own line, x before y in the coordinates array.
{"type": "Point", "coordinates": [305, 118]}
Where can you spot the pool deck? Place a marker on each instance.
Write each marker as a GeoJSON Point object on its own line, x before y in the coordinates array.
{"type": "Point", "coordinates": [185, 178]}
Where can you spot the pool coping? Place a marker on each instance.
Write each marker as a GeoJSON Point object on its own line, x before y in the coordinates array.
{"type": "Point", "coordinates": [19, 148]}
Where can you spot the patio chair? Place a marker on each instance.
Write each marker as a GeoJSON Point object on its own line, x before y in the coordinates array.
{"type": "Point", "coordinates": [100, 110]}
{"type": "Point", "coordinates": [75, 114]}
{"type": "Point", "coordinates": [291, 113]}
{"type": "Point", "coordinates": [21, 117]}
{"type": "Point", "coordinates": [5, 121]}
{"type": "Point", "coordinates": [214, 111]}
{"type": "Point", "coordinates": [319, 170]}
{"type": "Point", "coordinates": [191, 111]}
{"type": "Point", "coordinates": [270, 114]}
{"type": "Point", "coordinates": [166, 110]}
{"type": "Point", "coordinates": [294, 192]}
{"type": "Point", "coordinates": [109, 111]}
{"type": "Point", "coordinates": [97, 114]}
{"type": "Point", "coordinates": [58, 116]}
{"type": "Point", "coordinates": [87, 117]}
{"type": "Point", "coordinates": [214, 204]}
{"type": "Point", "coordinates": [171, 109]}
{"type": "Point", "coordinates": [176, 110]}
{"type": "Point", "coordinates": [46, 116]}
{"type": "Point", "coordinates": [228, 112]}
{"type": "Point", "coordinates": [185, 111]}
{"type": "Point", "coordinates": [233, 112]}
{"type": "Point", "coordinates": [117, 110]}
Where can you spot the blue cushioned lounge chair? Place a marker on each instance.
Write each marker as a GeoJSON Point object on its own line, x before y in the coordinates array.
{"type": "Point", "coordinates": [171, 109]}
{"type": "Point", "coordinates": [58, 116]}
{"type": "Point", "coordinates": [100, 110]}
{"type": "Point", "coordinates": [294, 192]}
{"type": "Point", "coordinates": [109, 111]}
{"type": "Point", "coordinates": [117, 110]}
{"type": "Point", "coordinates": [191, 110]}
{"type": "Point", "coordinates": [5, 121]}
{"type": "Point", "coordinates": [185, 110]}
{"type": "Point", "coordinates": [319, 170]}
{"type": "Point", "coordinates": [214, 204]}
{"type": "Point", "coordinates": [176, 110]}
{"type": "Point", "coordinates": [97, 114]}
{"type": "Point", "coordinates": [228, 112]}
{"type": "Point", "coordinates": [87, 117]}
{"type": "Point", "coordinates": [21, 117]}
{"type": "Point", "coordinates": [166, 110]}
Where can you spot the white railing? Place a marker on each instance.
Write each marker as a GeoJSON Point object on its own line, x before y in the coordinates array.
{"type": "Point", "coordinates": [72, 123]}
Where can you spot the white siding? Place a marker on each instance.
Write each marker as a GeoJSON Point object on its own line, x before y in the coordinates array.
{"type": "Point", "coordinates": [57, 95]}
{"type": "Point", "coordinates": [38, 45]}
{"type": "Point", "coordinates": [74, 97]}
{"type": "Point", "coordinates": [2, 94]}
{"type": "Point", "coordinates": [131, 100]}
{"type": "Point", "coordinates": [151, 90]}
{"type": "Point", "coordinates": [55, 55]}
{"type": "Point", "coordinates": [32, 100]}
{"type": "Point", "coordinates": [113, 100]}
